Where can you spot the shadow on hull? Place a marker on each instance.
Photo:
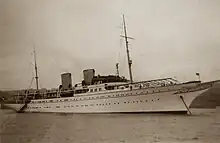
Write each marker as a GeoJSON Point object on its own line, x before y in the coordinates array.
{"type": "Point", "coordinates": [117, 113]}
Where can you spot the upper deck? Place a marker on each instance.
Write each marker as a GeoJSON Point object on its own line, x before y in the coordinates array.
{"type": "Point", "coordinates": [100, 88]}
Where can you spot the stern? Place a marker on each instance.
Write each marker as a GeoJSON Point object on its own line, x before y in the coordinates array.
{"type": "Point", "coordinates": [15, 107]}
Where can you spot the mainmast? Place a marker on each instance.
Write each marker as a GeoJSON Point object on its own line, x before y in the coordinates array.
{"type": "Point", "coordinates": [127, 50]}
{"type": "Point", "coordinates": [36, 73]}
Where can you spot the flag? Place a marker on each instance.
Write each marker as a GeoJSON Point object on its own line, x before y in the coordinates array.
{"type": "Point", "coordinates": [197, 74]}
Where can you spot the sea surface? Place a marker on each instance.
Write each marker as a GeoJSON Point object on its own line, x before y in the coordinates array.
{"type": "Point", "coordinates": [201, 127]}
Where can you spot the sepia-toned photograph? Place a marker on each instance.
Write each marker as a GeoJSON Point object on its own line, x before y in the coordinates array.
{"type": "Point", "coordinates": [109, 71]}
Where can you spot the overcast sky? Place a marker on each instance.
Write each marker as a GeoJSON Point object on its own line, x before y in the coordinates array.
{"type": "Point", "coordinates": [173, 38]}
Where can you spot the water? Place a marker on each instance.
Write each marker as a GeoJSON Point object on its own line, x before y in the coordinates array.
{"type": "Point", "coordinates": [202, 127]}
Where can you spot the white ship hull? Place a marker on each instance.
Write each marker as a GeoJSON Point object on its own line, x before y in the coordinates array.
{"type": "Point", "coordinates": [123, 102]}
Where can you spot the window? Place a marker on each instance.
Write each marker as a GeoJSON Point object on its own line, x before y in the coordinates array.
{"type": "Point", "coordinates": [100, 89]}
{"type": "Point", "coordinates": [91, 90]}
{"type": "Point", "coordinates": [96, 90]}
{"type": "Point", "coordinates": [81, 91]}
{"type": "Point", "coordinates": [109, 87]}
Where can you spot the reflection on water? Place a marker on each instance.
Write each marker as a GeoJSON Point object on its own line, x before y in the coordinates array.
{"type": "Point", "coordinates": [202, 127]}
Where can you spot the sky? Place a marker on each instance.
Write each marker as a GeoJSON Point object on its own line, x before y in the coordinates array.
{"type": "Point", "coordinates": [171, 39]}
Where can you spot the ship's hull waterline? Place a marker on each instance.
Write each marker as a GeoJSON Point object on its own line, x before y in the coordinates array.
{"type": "Point", "coordinates": [161, 102]}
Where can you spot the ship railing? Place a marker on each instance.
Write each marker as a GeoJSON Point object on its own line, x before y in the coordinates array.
{"type": "Point", "coordinates": [41, 93]}
{"type": "Point", "coordinates": [158, 82]}
{"type": "Point", "coordinates": [152, 83]}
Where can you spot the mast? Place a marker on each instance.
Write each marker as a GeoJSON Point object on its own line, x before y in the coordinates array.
{"type": "Point", "coordinates": [117, 70]}
{"type": "Point", "coordinates": [127, 50]}
{"type": "Point", "coordinates": [36, 73]}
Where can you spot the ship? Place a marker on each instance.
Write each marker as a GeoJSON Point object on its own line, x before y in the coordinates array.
{"type": "Point", "coordinates": [110, 94]}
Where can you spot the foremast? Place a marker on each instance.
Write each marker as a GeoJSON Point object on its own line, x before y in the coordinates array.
{"type": "Point", "coordinates": [36, 72]}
